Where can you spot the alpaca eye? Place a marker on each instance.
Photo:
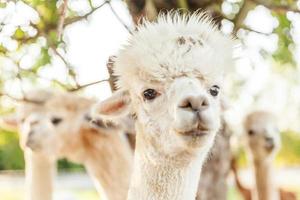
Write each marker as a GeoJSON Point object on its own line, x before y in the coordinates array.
{"type": "Point", "coordinates": [150, 94]}
{"type": "Point", "coordinates": [251, 132]}
{"type": "Point", "coordinates": [214, 90]}
{"type": "Point", "coordinates": [56, 120]}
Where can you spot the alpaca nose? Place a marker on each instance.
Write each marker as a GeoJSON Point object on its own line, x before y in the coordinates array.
{"type": "Point", "coordinates": [270, 142]}
{"type": "Point", "coordinates": [269, 139]}
{"type": "Point", "coordinates": [194, 103]}
{"type": "Point", "coordinates": [30, 133]}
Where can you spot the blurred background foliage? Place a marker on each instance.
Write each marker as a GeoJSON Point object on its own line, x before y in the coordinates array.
{"type": "Point", "coordinates": [10, 152]}
{"type": "Point", "coordinates": [42, 30]}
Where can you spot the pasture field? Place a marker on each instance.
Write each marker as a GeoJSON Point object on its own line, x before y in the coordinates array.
{"type": "Point", "coordinates": [78, 186]}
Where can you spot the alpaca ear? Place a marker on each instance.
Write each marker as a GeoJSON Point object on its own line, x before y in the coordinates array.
{"type": "Point", "coordinates": [9, 121]}
{"type": "Point", "coordinates": [118, 105]}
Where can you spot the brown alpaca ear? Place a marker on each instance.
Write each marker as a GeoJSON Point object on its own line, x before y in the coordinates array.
{"type": "Point", "coordinates": [10, 122]}
{"type": "Point", "coordinates": [115, 106]}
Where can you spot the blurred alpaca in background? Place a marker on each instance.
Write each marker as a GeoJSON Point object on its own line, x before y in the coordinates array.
{"type": "Point", "coordinates": [59, 126]}
{"type": "Point", "coordinates": [263, 142]}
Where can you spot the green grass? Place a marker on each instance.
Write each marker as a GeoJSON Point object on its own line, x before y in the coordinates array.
{"type": "Point", "coordinates": [86, 194]}
{"type": "Point", "coordinates": [90, 194]}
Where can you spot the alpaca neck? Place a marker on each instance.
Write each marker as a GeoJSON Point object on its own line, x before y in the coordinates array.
{"type": "Point", "coordinates": [40, 171]}
{"type": "Point", "coordinates": [163, 181]}
{"type": "Point", "coordinates": [161, 177]}
{"type": "Point", "coordinates": [109, 164]}
{"type": "Point", "coordinates": [265, 183]}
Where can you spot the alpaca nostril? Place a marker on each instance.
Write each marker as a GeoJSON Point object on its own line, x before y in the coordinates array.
{"type": "Point", "coordinates": [205, 103]}
{"type": "Point", "coordinates": [195, 103]}
{"type": "Point", "coordinates": [269, 146]}
{"type": "Point", "coordinates": [30, 142]}
{"type": "Point", "coordinates": [269, 141]}
{"type": "Point", "coordinates": [30, 133]}
{"type": "Point", "coordinates": [185, 104]}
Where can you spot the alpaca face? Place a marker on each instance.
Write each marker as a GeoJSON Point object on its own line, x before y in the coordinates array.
{"type": "Point", "coordinates": [55, 126]}
{"type": "Point", "coordinates": [170, 75]}
{"type": "Point", "coordinates": [179, 116]}
{"type": "Point", "coordinates": [183, 115]}
{"type": "Point", "coordinates": [48, 129]}
{"type": "Point", "coordinates": [58, 127]}
{"type": "Point", "coordinates": [37, 134]}
{"type": "Point", "coordinates": [263, 136]}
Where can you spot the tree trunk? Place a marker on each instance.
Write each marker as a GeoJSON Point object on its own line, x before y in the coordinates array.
{"type": "Point", "coordinates": [150, 8]}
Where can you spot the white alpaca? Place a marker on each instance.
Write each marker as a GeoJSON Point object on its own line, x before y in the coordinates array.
{"type": "Point", "coordinates": [40, 165]}
{"type": "Point", "coordinates": [61, 127]}
{"type": "Point", "coordinates": [170, 75]}
{"type": "Point", "coordinates": [263, 141]}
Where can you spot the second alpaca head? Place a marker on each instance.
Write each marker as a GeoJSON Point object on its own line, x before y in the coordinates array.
{"type": "Point", "coordinates": [263, 137]}
{"type": "Point", "coordinates": [55, 126]}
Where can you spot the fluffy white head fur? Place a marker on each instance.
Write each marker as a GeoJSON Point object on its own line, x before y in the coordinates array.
{"type": "Point", "coordinates": [174, 46]}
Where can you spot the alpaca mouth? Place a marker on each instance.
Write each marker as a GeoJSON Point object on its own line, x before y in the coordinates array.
{"type": "Point", "coordinates": [195, 133]}
{"type": "Point", "coordinates": [199, 132]}
{"type": "Point", "coordinates": [269, 147]}
{"type": "Point", "coordinates": [32, 145]}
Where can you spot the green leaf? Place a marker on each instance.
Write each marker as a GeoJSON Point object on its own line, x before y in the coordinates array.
{"type": "Point", "coordinates": [53, 39]}
{"type": "Point", "coordinates": [48, 12]}
{"type": "Point", "coordinates": [283, 54]}
{"type": "Point", "coordinates": [19, 34]}
{"type": "Point", "coordinates": [43, 60]}
{"type": "Point", "coordinates": [2, 49]}
{"type": "Point", "coordinates": [2, 5]}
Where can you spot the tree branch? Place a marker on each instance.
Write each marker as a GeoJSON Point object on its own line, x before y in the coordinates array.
{"type": "Point", "coordinates": [183, 4]}
{"type": "Point", "coordinates": [19, 77]}
{"type": "Point", "coordinates": [255, 31]}
{"type": "Point", "coordinates": [72, 20]}
{"type": "Point", "coordinates": [46, 79]}
{"type": "Point", "coordinates": [118, 18]}
{"type": "Point", "coordinates": [60, 25]}
{"type": "Point", "coordinates": [86, 85]}
{"type": "Point", "coordinates": [277, 8]}
{"type": "Point", "coordinates": [242, 14]}
{"type": "Point", "coordinates": [24, 99]}
{"type": "Point", "coordinates": [70, 69]}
